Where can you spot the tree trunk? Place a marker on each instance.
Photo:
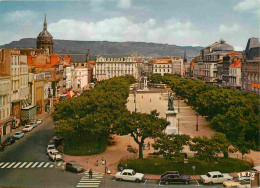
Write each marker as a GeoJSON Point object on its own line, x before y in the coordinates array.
{"type": "Point", "coordinates": [141, 150]}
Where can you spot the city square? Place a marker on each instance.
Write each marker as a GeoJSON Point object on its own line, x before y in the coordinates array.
{"type": "Point", "coordinates": [119, 94]}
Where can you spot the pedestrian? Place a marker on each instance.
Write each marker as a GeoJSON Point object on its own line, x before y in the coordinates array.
{"type": "Point", "coordinates": [90, 173]}
{"type": "Point", "coordinates": [97, 163]}
{"type": "Point", "coordinates": [55, 158]}
{"type": "Point", "coordinates": [64, 166]}
{"type": "Point", "coordinates": [149, 145]}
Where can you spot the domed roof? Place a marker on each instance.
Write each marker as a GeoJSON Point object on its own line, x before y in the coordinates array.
{"type": "Point", "coordinates": [223, 46]}
{"type": "Point", "coordinates": [45, 35]}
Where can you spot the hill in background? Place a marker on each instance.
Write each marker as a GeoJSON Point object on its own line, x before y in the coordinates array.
{"type": "Point", "coordinates": [111, 48]}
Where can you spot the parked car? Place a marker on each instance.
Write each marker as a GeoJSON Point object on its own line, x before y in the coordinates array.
{"type": "Point", "coordinates": [39, 121]}
{"type": "Point", "coordinates": [215, 177]}
{"type": "Point", "coordinates": [50, 147]}
{"type": "Point", "coordinates": [256, 168]}
{"type": "Point", "coordinates": [54, 154]}
{"type": "Point", "coordinates": [33, 124]}
{"type": "Point", "coordinates": [27, 128]}
{"type": "Point", "coordinates": [174, 177]}
{"type": "Point", "coordinates": [9, 141]}
{"type": "Point", "coordinates": [129, 175]}
{"type": "Point", "coordinates": [18, 134]}
{"type": "Point", "coordinates": [73, 166]}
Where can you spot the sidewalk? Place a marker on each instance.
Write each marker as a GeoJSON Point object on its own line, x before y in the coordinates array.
{"type": "Point", "coordinates": [38, 116]}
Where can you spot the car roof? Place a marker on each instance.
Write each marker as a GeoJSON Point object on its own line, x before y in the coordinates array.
{"type": "Point", "coordinates": [128, 170]}
{"type": "Point", "coordinates": [214, 173]}
{"type": "Point", "coordinates": [18, 132]}
{"type": "Point", "coordinates": [257, 168]}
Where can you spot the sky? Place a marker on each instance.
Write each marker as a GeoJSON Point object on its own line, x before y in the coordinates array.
{"type": "Point", "coordinates": [178, 22]}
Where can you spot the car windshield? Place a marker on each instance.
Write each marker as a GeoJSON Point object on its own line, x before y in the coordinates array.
{"type": "Point", "coordinates": [27, 126]}
{"type": "Point", "coordinates": [208, 175]}
{"type": "Point", "coordinates": [51, 147]}
{"type": "Point", "coordinates": [133, 172]}
{"type": "Point", "coordinates": [55, 153]}
{"type": "Point", "coordinates": [17, 133]}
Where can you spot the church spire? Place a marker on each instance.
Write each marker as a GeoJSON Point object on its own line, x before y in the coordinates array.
{"type": "Point", "coordinates": [45, 23]}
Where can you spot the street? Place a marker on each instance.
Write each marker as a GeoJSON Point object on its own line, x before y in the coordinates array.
{"type": "Point", "coordinates": [25, 163]}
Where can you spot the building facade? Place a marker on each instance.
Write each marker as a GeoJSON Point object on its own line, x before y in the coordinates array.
{"type": "Point", "coordinates": [235, 75]}
{"type": "Point", "coordinates": [251, 67]}
{"type": "Point", "coordinates": [162, 66]}
{"type": "Point", "coordinates": [5, 105]}
{"type": "Point", "coordinates": [108, 67]}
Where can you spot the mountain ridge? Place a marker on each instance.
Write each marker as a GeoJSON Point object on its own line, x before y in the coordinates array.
{"type": "Point", "coordinates": [115, 48]}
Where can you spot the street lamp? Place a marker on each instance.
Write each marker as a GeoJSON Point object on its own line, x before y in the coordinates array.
{"type": "Point", "coordinates": [178, 125]}
{"type": "Point", "coordinates": [135, 99]}
{"type": "Point", "coordinates": [197, 124]}
{"type": "Point", "coordinates": [178, 104]}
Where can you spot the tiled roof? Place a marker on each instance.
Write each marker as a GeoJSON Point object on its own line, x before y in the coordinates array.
{"type": "Point", "coordinates": [252, 43]}
{"type": "Point", "coordinates": [254, 53]}
{"type": "Point", "coordinates": [236, 64]}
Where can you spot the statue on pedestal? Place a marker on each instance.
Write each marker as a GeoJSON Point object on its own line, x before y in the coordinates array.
{"type": "Point", "coordinates": [170, 102]}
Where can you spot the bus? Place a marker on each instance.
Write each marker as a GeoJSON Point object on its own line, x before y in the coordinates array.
{"type": "Point", "coordinates": [162, 86]}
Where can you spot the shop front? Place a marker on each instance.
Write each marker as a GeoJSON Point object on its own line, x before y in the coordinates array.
{"type": "Point", "coordinates": [28, 113]}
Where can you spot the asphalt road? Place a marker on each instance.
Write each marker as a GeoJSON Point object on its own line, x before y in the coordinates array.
{"type": "Point", "coordinates": [32, 149]}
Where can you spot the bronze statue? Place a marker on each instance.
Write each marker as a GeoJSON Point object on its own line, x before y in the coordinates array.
{"type": "Point", "coordinates": [170, 102]}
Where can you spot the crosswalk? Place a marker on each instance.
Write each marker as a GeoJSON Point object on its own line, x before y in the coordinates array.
{"type": "Point", "coordinates": [90, 183]}
{"type": "Point", "coordinates": [26, 165]}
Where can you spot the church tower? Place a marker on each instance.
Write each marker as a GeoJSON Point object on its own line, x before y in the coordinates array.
{"type": "Point", "coordinates": [45, 39]}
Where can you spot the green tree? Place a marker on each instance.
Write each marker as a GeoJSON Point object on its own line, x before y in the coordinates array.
{"type": "Point", "coordinates": [156, 78]}
{"type": "Point", "coordinates": [171, 145]}
{"type": "Point", "coordinates": [221, 144]}
{"type": "Point", "coordinates": [141, 126]}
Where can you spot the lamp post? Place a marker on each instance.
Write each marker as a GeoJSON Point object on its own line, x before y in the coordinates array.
{"type": "Point", "coordinates": [178, 125]}
{"type": "Point", "coordinates": [178, 104]}
{"type": "Point", "coordinates": [135, 99]}
{"type": "Point", "coordinates": [197, 124]}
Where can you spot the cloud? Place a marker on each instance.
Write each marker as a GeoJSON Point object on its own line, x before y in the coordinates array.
{"type": "Point", "coordinates": [239, 48]}
{"type": "Point", "coordinates": [18, 15]}
{"type": "Point", "coordinates": [229, 29]}
{"type": "Point", "coordinates": [246, 5]}
{"type": "Point", "coordinates": [124, 29]}
{"type": "Point", "coordinates": [124, 4]}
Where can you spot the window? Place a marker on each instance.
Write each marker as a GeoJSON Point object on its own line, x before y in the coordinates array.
{"type": "Point", "coordinates": [125, 173]}
{"type": "Point", "coordinates": [155, 70]}
{"type": "Point", "coordinates": [215, 176]}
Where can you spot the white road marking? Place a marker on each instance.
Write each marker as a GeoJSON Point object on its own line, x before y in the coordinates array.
{"type": "Point", "coordinates": [17, 164]}
{"type": "Point", "coordinates": [145, 181]}
{"type": "Point", "coordinates": [11, 165]}
{"type": "Point", "coordinates": [40, 165]}
{"type": "Point", "coordinates": [30, 163]}
{"type": "Point", "coordinates": [5, 165]}
{"type": "Point", "coordinates": [23, 165]}
{"type": "Point", "coordinates": [88, 186]}
{"type": "Point", "coordinates": [34, 164]}
{"type": "Point", "coordinates": [1, 164]}
{"type": "Point", "coordinates": [51, 166]}
{"type": "Point", "coordinates": [198, 183]}
{"type": "Point", "coordinates": [59, 163]}
{"type": "Point", "coordinates": [46, 164]}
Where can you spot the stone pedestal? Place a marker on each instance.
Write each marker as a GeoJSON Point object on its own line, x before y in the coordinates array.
{"type": "Point", "coordinates": [145, 84]}
{"type": "Point", "coordinates": [171, 117]}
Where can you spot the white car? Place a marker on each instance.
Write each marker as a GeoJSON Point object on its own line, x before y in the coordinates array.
{"type": "Point", "coordinates": [54, 154]}
{"type": "Point", "coordinates": [27, 128]}
{"type": "Point", "coordinates": [18, 134]}
{"type": "Point", "coordinates": [215, 177]}
{"type": "Point", "coordinates": [129, 175]}
{"type": "Point", "coordinates": [50, 147]}
{"type": "Point", "coordinates": [39, 121]}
